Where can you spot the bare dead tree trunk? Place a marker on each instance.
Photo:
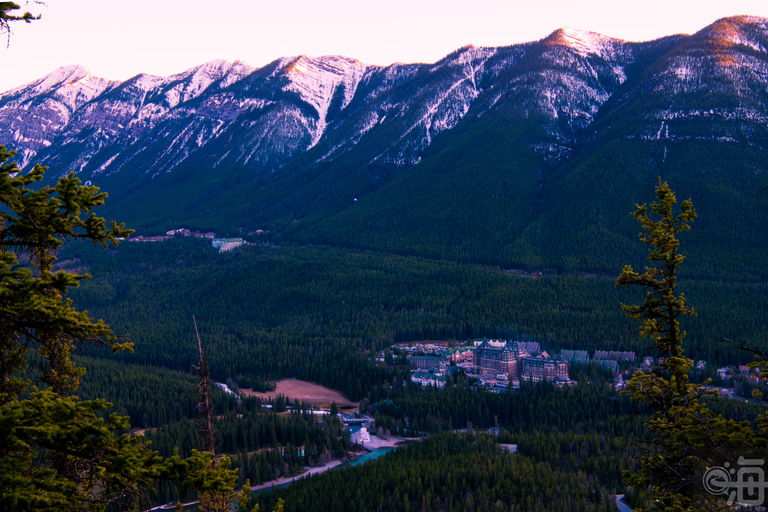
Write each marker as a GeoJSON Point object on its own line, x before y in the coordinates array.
{"type": "Point", "coordinates": [204, 402]}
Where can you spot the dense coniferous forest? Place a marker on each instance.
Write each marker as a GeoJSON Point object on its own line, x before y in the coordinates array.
{"type": "Point", "coordinates": [268, 311]}
{"type": "Point", "coordinates": [469, 472]}
{"type": "Point", "coordinates": [262, 444]}
{"type": "Point", "coordinates": [319, 314]}
{"type": "Point", "coordinates": [322, 314]}
{"type": "Point", "coordinates": [589, 407]}
{"type": "Point", "coordinates": [252, 429]}
{"type": "Point", "coordinates": [151, 396]}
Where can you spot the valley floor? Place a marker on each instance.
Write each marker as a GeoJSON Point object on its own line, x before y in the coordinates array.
{"type": "Point", "coordinates": [313, 394]}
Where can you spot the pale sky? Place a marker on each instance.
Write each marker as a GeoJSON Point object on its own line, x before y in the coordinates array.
{"type": "Point", "coordinates": [117, 40]}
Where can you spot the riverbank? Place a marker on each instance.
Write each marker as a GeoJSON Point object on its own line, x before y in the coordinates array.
{"type": "Point", "coordinates": [392, 441]}
{"type": "Point", "coordinates": [376, 443]}
{"type": "Point", "coordinates": [289, 479]}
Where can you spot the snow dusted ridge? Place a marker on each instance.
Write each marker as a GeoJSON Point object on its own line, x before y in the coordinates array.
{"type": "Point", "coordinates": [70, 101]}
{"type": "Point", "coordinates": [318, 81]}
{"type": "Point", "coordinates": [189, 84]}
{"type": "Point", "coordinates": [736, 66]}
{"type": "Point", "coordinates": [32, 116]}
{"type": "Point", "coordinates": [260, 120]}
{"type": "Point", "coordinates": [193, 82]}
{"type": "Point", "coordinates": [70, 85]}
{"type": "Point", "coordinates": [588, 43]}
{"type": "Point", "coordinates": [447, 102]}
{"type": "Point", "coordinates": [236, 72]}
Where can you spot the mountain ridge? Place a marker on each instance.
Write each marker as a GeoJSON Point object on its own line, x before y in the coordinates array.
{"type": "Point", "coordinates": [432, 159]}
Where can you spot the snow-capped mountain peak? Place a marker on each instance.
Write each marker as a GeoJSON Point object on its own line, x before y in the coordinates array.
{"type": "Point", "coordinates": [236, 72]}
{"type": "Point", "coordinates": [305, 113]}
{"type": "Point", "coordinates": [317, 81]}
{"type": "Point", "coordinates": [317, 78]}
{"type": "Point", "coordinates": [585, 43]}
{"type": "Point", "coordinates": [196, 80]}
{"type": "Point", "coordinates": [146, 82]}
{"type": "Point", "coordinates": [71, 85]}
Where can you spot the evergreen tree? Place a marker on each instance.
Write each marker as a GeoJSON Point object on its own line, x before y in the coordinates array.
{"type": "Point", "coordinates": [56, 453]}
{"type": "Point", "coordinates": [35, 316]}
{"type": "Point", "coordinates": [683, 437]}
{"type": "Point", "coordinates": [9, 14]}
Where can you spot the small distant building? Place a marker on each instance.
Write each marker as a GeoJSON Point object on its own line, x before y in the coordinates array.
{"type": "Point", "coordinates": [182, 231]}
{"type": "Point", "coordinates": [460, 355]}
{"type": "Point", "coordinates": [509, 448]}
{"type": "Point", "coordinates": [428, 362]}
{"type": "Point", "coordinates": [618, 356]}
{"type": "Point", "coordinates": [491, 342]}
{"type": "Point", "coordinates": [531, 347]}
{"type": "Point", "coordinates": [540, 368]}
{"type": "Point", "coordinates": [575, 356]}
{"type": "Point", "coordinates": [361, 437]}
{"type": "Point", "coordinates": [226, 244]}
{"type": "Point", "coordinates": [428, 379]}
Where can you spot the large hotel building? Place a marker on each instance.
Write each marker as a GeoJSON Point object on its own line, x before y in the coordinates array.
{"type": "Point", "coordinates": [494, 358]}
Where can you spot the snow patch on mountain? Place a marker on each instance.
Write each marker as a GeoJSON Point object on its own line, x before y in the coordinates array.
{"type": "Point", "coordinates": [431, 109]}
{"type": "Point", "coordinates": [195, 81]}
{"type": "Point", "coordinates": [105, 164]}
{"type": "Point", "coordinates": [71, 85]}
{"type": "Point", "coordinates": [684, 70]}
{"type": "Point", "coordinates": [590, 45]}
{"type": "Point", "coordinates": [587, 43]}
{"type": "Point", "coordinates": [318, 80]}
{"type": "Point", "coordinates": [475, 53]}
{"type": "Point", "coordinates": [363, 126]}
{"type": "Point", "coordinates": [208, 133]}
{"type": "Point", "coordinates": [276, 137]}
{"type": "Point", "coordinates": [736, 114]}
{"type": "Point", "coordinates": [237, 72]}
{"type": "Point", "coordinates": [146, 82]}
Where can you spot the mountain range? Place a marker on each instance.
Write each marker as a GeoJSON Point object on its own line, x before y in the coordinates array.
{"type": "Point", "coordinates": [531, 155]}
